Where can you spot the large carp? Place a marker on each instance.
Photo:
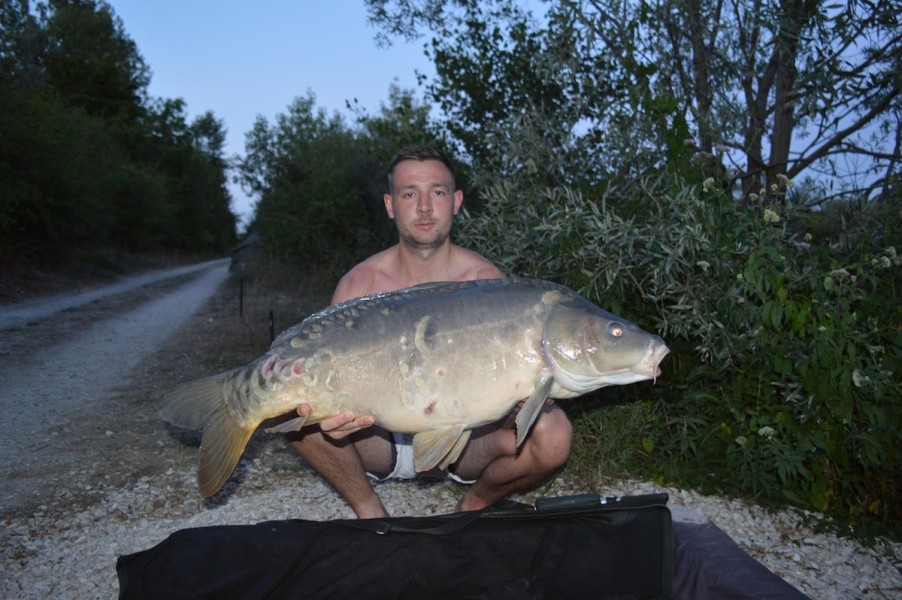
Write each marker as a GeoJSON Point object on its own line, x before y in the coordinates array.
{"type": "Point", "coordinates": [436, 360]}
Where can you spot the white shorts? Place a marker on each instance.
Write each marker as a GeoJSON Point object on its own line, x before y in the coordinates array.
{"type": "Point", "coordinates": [403, 466]}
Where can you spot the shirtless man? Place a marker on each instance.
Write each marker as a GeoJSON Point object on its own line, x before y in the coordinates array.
{"type": "Point", "coordinates": [345, 448]}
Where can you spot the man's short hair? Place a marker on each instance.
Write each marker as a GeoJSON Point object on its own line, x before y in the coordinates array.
{"type": "Point", "coordinates": [418, 152]}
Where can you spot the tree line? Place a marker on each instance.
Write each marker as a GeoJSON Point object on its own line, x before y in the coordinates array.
{"type": "Point", "coordinates": [89, 161]}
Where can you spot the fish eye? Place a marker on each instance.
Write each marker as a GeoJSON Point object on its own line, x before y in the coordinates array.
{"type": "Point", "coordinates": [616, 329]}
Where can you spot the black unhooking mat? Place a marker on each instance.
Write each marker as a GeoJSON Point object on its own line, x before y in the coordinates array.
{"type": "Point", "coordinates": [570, 547]}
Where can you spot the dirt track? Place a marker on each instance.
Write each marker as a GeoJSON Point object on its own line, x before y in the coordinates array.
{"type": "Point", "coordinates": [64, 365]}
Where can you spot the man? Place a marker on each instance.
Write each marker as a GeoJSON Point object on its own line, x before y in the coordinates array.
{"type": "Point", "coordinates": [344, 448]}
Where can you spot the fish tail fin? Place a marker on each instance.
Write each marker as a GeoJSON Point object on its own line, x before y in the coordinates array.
{"type": "Point", "coordinates": [192, 404]}
{"type": "Point", "coordinates": [201, 404]}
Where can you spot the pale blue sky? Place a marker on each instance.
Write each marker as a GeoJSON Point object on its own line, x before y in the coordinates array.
{"type": "Point", "coordinates": [243, 58]}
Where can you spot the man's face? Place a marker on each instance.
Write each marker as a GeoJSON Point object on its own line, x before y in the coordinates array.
{"type": "Point", "coordinates": [423, 203]}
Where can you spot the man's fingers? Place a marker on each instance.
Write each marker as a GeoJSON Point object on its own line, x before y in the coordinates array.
{"type": "Point", "coordinates": [342, 425]}
{"type": "Point", "coordinates": [336, 421]}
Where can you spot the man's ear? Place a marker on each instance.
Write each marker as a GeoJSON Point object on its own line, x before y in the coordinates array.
{"type": "Point", "coordinates": [388, 206]}
{"type": "Point", "coordinates": [458, 200]}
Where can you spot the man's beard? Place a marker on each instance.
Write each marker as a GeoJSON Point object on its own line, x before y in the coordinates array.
{"type": "Point", "coordinates": [424, 246]}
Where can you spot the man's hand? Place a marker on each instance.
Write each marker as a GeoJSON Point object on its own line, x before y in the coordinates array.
{"type": "Point", "coordinates": [341, 425]}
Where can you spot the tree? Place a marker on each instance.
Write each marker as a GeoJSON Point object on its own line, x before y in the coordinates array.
{"type": "Point", "coordinates": [779, 88]}
{"type": "Point", "coordinates": [788, 85]}
{"type": "Point", "coordinates": [179, 191]}
{"type": "Point", "coordinates": [87, 160]}
{"type": "Point", "coordinates": [91, 62]}
{"type": "Point", "coordinates": [497, 71]}
{"type": "Point", "coordinates": [301, 169]}
{"type": "Point", "coordinates": [207, 185]}
{"type": "Point", "coordinates": [21, 44]}
{"type": "Point", "coordinates": [401, 121]}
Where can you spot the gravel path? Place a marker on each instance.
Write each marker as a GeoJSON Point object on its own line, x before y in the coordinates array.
{"type": "Point", "coordinates": [23, 313]}
{"type": "Point", "coordinates": [66, 382]}
{"type": "Point", "coordinates": [73, 556]}
{"type": "Point", "coordinates": [91, 474]}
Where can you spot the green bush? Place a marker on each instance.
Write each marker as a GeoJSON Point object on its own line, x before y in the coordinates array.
{"type": "Point", "coordinates": [782, 384]}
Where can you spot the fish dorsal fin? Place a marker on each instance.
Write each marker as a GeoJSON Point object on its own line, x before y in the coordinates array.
{"type": "Point", "coordinates": [430, 447]}
{"type": "Point", "coordinates": [533, 406]}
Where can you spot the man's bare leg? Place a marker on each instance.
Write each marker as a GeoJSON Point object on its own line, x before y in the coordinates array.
{"type": "Point", "coordinates": [341, 464]}
{"type": "Point", "coordinates": [500, 470]}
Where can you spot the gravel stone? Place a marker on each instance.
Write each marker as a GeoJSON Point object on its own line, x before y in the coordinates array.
{"type": "Point", "coordinates": [70, 552]}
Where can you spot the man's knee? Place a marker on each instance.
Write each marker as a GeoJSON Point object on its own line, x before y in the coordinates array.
{"type": "Point", "coordinates": [550, 439]}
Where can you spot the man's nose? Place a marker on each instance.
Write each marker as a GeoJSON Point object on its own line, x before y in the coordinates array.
{"type": "Point", "coordinates": [424, 204]}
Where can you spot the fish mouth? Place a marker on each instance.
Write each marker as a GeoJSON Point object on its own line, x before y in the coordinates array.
{"type": "Point", "coordinates": [642, 370]}
{"type": "Point", "coordinates": [658, 354]}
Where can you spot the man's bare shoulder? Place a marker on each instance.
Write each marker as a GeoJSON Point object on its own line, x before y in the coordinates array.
{"type": "Point", "coordinates": [366, 278]}
{"type": "Point", "coordinates": [471, 265]}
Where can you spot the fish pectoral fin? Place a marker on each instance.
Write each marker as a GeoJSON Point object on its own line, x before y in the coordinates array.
{"type": "Point", "coordinates": [289, 426]}
{"type": "Point", "coordinates": [430, 447]}
{"type": "Point", "coordinates": [533, 406]}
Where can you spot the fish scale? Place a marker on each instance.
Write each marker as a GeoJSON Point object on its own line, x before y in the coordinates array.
{"type": "Point", "coordinates": [436, 361]}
